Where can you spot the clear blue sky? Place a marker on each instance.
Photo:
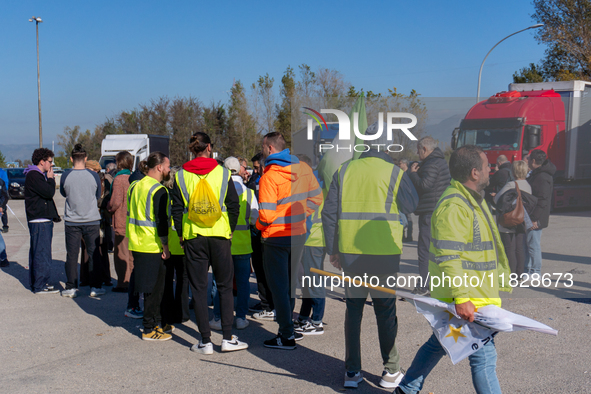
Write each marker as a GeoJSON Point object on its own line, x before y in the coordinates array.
{"type": "Point", "coordinates": [101, 57]}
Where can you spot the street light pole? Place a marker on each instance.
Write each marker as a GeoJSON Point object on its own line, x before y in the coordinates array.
{"type": "Point", "coordinates": [482, 65]}
{"type": "Point", "coordinates": [38, 20]}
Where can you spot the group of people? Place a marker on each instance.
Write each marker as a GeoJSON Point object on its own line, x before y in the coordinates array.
{"type": "Point", "coordinates": [171, 224]}
{"type": "Point", "coordinates": [533, 177]}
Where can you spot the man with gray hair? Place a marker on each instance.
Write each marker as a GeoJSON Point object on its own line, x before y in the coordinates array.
{"type": "Point", "coordinates": [431, 177]}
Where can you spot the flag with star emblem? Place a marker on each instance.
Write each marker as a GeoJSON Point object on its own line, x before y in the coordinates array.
{"type": "Point", "coordinates": [461, 338]}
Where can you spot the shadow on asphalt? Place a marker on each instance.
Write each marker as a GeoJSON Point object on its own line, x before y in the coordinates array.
{"type": "Point", "coordinates": [21, 273]}
{"type": "Point", "coordinates": [303, 363]}
{"type": "Point", "coordinates": [567, 258]}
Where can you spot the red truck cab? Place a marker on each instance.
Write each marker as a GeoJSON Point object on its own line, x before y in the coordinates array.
{"type": "Point", "coordinates": [552, 116]}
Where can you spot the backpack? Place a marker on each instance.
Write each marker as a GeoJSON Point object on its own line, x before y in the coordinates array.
{"type": "Point", "coordinates": [204, 208]}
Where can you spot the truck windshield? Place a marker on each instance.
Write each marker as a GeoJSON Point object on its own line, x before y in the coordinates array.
{"type": "Point", "coordinates": [106, 160]}
{"type": "Point", "coordinates": [490, 139]}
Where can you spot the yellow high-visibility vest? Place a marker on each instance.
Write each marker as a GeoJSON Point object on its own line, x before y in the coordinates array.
{"type": "Point", "coordinates": [369, 222]}
{"type": "Point", "coordinates": [241, 237]}
{"type": "Point", "coordinates": [218, 179]}
{"type": "Point", "coordinates": [141, 223]}
{"type": "Point", "coordinates": [466, 241]}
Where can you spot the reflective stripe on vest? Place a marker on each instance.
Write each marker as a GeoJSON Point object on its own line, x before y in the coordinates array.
{"type": "Point", "coordinates": [141, 232]}
{"type": "Point", "coordinates": [147, 222]}
{"type": "Point", "coordinates": [362, 232]}
{"type": "Point", "coordinates": [482, 256]}
{"type": "Point", "coordinates": [476, 243]}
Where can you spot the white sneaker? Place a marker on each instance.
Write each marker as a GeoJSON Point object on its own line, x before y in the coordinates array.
{"type": "Point", "coordinates": [264, 315]}
{"type": "Point", "coordinates": [391, 380]}
{"type": "Point", "coordinates": [215, 324]}
{"type": "Point", "coordinates": [352, 379]}
{"type": "Point", "coordinates": [233, 345]}
{"type": "Point", "coordinates": [206, 348]}
{"type": "Point", "coordinates": [94, 292]}
{"type": "Point", "coordinates": [241, 323]}
{"type": "Point", "coordinates": [71, 293]}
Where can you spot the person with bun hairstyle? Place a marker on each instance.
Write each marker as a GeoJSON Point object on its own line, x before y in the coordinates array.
{"type": "Point", "coordinates": [205, 246]}
{"type": "Point", "coordinates": [147, 232]}
{"type": "Point", "coordinates": [82, 189]}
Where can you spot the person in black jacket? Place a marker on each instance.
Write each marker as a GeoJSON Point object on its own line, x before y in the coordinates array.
{"type": "Point", "coordinates": [541, 180]}
{"type": "Point", "coordinates": [41, 213]}
{"type": "Point", "coordinates": [499, 179]}
{"type": "Point", "coordinates": [3, 200]}
{"type": "Point", "coordinates": [430, 179]}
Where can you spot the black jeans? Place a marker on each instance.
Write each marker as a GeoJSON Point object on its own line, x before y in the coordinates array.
{"type": "Point", "coordinates": [423, 247]}
{"type": "Point", "coordinates": [175, 301]}
{"type": "Point", "coordinates": [152, 300]}
{"type": "Point", "coordinates": [257, 265]}
{"type": "Point", "coordinates": [515, 249]}
{"type": "Point", "coordinates": [277, 261]}
{"type": "Point", "coordinates": [200, 253]}
{"type": "Point", "coordinates": [74, 236]}
{"type": "Point", "coordinates": [4, 216]}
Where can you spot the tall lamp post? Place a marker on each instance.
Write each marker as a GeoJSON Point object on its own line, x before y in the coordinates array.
{"type": "Point", "coordinates": [482, 65]}
{"type": "Point", "coordinates": [38, 20]}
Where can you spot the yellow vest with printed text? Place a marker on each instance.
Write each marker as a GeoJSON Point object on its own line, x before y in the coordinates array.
{"type": "Point", "coordinates": [218, 179]}
{"type": "Point", "coordinates": [466, 241]}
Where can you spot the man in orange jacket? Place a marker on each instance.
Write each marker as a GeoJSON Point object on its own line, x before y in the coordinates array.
{"type": "Point", "coordinates": [288, 193]}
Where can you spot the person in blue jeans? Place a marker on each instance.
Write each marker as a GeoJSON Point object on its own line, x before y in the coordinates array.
{"type": "Point", "coordinates": [482, 364]}
{"type": "Point", "coordinates": [241, 247]}
{"type": "Point", "coordinates": [41, 213]}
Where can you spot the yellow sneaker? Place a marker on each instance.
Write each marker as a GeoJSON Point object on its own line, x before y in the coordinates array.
{"type": "Point", "coordinates": [168, 328]}
{"type": "Point", "coordinates": [156, 335]}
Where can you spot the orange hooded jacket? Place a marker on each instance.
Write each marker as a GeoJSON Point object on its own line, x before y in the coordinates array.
{"type": "Point", "coordinates": [288, 193]}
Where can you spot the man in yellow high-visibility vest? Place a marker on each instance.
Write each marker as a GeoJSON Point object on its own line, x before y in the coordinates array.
{"type": "Point", "coordinates": [147, 232]}
{"type": "Point", "coordinates": [465, 243]}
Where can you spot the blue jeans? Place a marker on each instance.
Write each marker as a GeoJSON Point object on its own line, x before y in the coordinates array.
{"type": "Point", "coordinates": [41, 235]}
{"type": "Point", "coordinates": [2, 249]}
{"type": "Point", "coordinates": [313, 297]}
{"type": "Point", "coordinates": [241, 275]}
{"type": "Point", "coordinates": [483, 365]}
{"type": "Point", "coordinates": [533, 263]}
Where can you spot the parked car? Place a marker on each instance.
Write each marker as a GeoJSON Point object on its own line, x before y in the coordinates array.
{"type": "Point", "coordinates": [16, 180]}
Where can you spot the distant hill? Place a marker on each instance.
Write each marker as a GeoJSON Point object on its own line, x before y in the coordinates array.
{"type": "Point", "coordinates": [13, 152]}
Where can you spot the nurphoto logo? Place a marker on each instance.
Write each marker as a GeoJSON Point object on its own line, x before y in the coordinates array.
{"type": "Point", "coordinates": [345, 127]}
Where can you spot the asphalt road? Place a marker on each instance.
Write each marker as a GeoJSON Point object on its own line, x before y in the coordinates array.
{"type": "Point", "coordinates": [55, 344]}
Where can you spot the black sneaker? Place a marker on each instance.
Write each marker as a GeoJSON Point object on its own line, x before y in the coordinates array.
{"type": "Point", "coordinates": [312, 329]}
{"type": "Point", "coordinates": [281, 343]}
{"type": "Point", "coordinates": [256, 308]}
{"type": "Point", "coordinates": [5, 229]}
{"type": "Point", "coordinates": [4, 263]}
{"type": "Point", "coordinates": [298, 325]}
{"type": "Point", "coordinates": [48, 290]}
{"type": "Point", "coordinates": [298, 336]}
